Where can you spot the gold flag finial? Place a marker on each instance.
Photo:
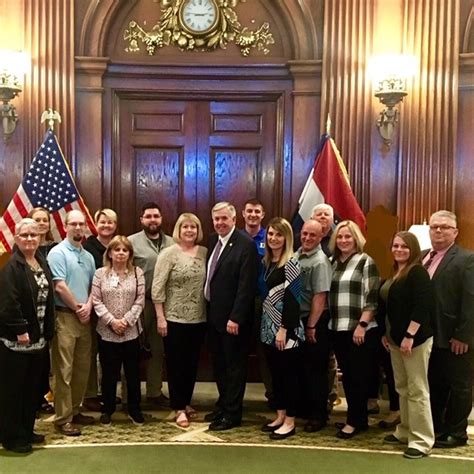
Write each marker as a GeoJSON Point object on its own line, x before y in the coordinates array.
{"type": "Point", "coordinates": [51, 116]}
{"type": "Point", "coordinates": [328, 125]}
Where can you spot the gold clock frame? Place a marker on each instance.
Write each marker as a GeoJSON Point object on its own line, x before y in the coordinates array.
{"type": "Point", "coordinates": [171, 31]}
{"type": "Point", "coordinates": [205, 32]}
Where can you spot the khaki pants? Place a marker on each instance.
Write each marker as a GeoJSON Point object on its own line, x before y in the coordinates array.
{"type": "Point", "coordinates": [71, 357]}
{"type": "Point", "coordinates": [411, 382]}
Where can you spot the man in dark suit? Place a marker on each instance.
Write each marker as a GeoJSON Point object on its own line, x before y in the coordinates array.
{"type": "Point", "coordinates": [452, 271]}
{"type": "Point", "coordinates": [230, 290]}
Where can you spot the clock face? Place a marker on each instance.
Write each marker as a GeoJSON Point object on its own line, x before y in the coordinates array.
{"type": "Point", "coordinates": [199, 16]}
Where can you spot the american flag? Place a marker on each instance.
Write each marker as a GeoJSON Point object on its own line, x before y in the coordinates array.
{"type": "Point", "coordinates": [49, 184]}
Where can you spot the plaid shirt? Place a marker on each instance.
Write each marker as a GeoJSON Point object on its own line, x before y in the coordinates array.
{"type": "Point", "coordinates": [354, 289]}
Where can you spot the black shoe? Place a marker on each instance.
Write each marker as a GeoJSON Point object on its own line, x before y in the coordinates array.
{"type": "Point", "coordinates": [312, 426]}
{"type": "Point", "coordinates": [81, 419]}
{"type": "Point", "coordinates": [223, 424]}
{"type": "Point", "coordinates": [105, 419]}
{"type": "Point", "coordinates": [391, 439]}
{"type": "Point", "coordinates": [344, 435]}
{"type": "Point", "coordinates": [270, 429]}
{"type": "Point", "coordinates": [46, 408]}
{"type": "Point", "coordinates": [160, 401]}
{"type": "Point", "coordinates": [213, 416]}
{"type": "Point", "coordinates": [136, 418]}
{"type": "Point", "coordinates": [18, 448]}
{"type": "Point", "coordinates": [339, 425]}
{"type": "Point", "coordinates": [449, 441]}
{"type": "Point", "coordinates": [278, 436]}
{"type": "Point", "coordinates": [412, 453]}
{"type": "Point", "coordinates": [37, 438]}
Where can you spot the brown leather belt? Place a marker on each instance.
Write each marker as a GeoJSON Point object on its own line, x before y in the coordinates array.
{"type": "Point", "coordinates": [64, 309]}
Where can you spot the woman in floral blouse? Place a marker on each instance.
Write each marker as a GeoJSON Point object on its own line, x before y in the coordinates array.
{"type": "Point", "coordinates": [178, 294]}
{"type": "Point", "coordinates": [118, 295]}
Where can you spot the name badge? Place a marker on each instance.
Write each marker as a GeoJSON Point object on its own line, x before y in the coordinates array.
{"type": "Point", "coordinates": [114, 281]}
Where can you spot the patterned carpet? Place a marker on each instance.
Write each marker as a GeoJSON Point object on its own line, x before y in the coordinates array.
{"type": "Point", "coordinates": [160, 428]}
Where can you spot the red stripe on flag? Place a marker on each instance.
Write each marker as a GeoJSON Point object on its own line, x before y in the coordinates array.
{"type": "Point", "coordinates": [19, 205]}
{"type": "Point", "coordinates": [331, 181]}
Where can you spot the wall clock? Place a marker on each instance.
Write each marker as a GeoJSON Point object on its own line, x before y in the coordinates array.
{"type": "Point", "coordinates": [198, 17]}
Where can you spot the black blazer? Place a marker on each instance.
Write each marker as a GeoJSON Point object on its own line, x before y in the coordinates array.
{"type": "Point", "coordinates": [454, 289]}
{"type": "Point", "coordinates": [234, 283]}
{"type": "Point", "coordinates": [411, 299]}
{"type": "Point", "coordinates": [18, 296]}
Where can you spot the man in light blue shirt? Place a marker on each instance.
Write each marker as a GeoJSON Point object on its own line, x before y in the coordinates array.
{"type": "Point", "coordinates": [73, 269]}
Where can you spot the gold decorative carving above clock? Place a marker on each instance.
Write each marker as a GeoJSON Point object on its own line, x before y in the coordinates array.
{"type": "Point", "coordinates": [198, 25]}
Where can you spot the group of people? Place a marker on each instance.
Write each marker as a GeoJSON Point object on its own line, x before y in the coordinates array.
{"type": "Point", "coordinates": [320, 297]}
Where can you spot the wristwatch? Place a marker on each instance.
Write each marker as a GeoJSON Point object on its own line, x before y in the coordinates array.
{"type": "Point", "coordinates": [363, 324]}
{"type": "Point", "coordinates": [409, 336]}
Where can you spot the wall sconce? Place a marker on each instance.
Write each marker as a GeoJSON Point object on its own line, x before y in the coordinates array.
{"type": "Point", "coordinates": [13, 66]}
{"type": "Point", "coordinates": [422, 233]}
{"type": "Point", "coordinates": [389, 75]}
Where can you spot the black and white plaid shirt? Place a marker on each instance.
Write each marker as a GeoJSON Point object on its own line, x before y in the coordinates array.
{"type": "Point", "coordinates": [354, 289]}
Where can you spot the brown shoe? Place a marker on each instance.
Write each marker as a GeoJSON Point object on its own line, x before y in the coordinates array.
{"type": "Point", "coordinates": [81, 419]}
{"type": "Point", "coordinates": [69, 429]}
{"type": "Point", "coordinates": [92, 404]}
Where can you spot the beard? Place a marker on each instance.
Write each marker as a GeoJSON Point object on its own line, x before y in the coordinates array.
{"type": "Point", "coordinates": [152, 229]}
{"type": "Point", "coordinates": [77, 238]}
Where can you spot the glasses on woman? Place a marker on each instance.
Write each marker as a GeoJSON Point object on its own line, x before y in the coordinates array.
{"type": "Point", "coordinates": [27, 235]}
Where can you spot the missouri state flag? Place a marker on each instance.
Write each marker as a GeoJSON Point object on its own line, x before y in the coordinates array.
{"type": "Point", "coordinates": [48, 183]}
{"type": "Point", "coordinates": [328, 182]}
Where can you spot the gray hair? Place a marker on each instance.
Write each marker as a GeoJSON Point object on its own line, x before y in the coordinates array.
{"type": "Point", "coordinates": [224, 205]}
{"type": "Point", "coordinates": [323, 207]}
{"type": "Point", "coordinates": [448, 214]}
{"type": "Point", "coordinates": [27, 221]}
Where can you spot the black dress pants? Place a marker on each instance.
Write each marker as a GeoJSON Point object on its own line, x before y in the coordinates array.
{"type": "Point", "coordinates": [20, 376]}
{"type": "Point", "coordinates": [315, 380]}
{"type": "Point", "coordinates": [229, 359]}
{"type": "Point", "coordinates": [450, 380]}
{"type": "Point", "coordinates": [112, 356]}
{"type": "Point", "coordinates": [182, 347]}
{"type": "Point", "coordinates": [355, 364]}
{"type": "Point", "coordinates": [284, 369]}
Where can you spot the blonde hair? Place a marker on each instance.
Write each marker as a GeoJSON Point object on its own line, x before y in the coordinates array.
{"type": "Point", "coordinates": [187, 216]}
{"type": "Point", "coordinates": [356, 233]}
{"type": "Point", "coordinates": [109, 213]}
{"type": "Point", "coordinates": [282, 226]}
{"type": "Point", "coordinates": [114, 243]}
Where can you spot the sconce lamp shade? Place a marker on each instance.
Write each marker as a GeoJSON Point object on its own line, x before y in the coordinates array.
{"type": "Point", "coordinates": [389, 74]}
{"type": "Point", "coordinates": [13, 65]}
{"type": "Point", "coordinates": [422, 233]}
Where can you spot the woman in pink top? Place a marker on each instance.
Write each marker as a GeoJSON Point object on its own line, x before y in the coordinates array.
{"type": "Point", "coordinates": [118, 295]}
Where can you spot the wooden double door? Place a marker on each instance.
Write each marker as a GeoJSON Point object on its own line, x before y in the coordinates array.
{"type": "Point", "coordinates": [187, 155]}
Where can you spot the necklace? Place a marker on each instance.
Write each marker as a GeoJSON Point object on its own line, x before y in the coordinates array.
{"type": "Point", "coordinates": [269, 271]}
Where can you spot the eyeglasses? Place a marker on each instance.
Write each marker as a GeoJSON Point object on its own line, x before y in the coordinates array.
{"type": "Point", "coordinates": [442, 228]}
{"type": "Point", "coordinates": [75, 224]}
{"type": "Point", "coordinates": [30, 235]}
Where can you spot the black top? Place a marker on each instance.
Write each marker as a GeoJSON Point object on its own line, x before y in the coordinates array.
{"type": "Point", "coordinates": [411, 298]}
{"type": "Point", "coordinates": [18, 300]}
{"type": "Point", "coordinates": [93, 245]}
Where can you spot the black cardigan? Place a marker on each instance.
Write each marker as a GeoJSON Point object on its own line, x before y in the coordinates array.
{"type": "Point", "coordinates": [18, 300]}
{"type": "Point", "coordinates": [411, 298]}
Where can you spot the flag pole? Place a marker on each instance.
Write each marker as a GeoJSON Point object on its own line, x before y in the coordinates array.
{"type": "Point", "coordinates": [328, 125]}
{"type": "Point", "coordinates": [51, 116]}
